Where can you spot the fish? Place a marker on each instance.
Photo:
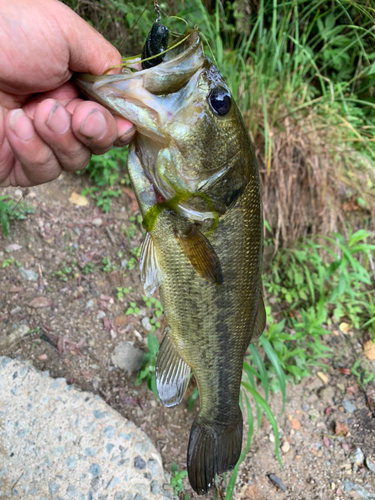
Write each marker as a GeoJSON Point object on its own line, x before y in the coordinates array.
{"type": "Point", "coordinates": [194, 173]}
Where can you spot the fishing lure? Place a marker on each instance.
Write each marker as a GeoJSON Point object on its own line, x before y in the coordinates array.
{"type": "Point", "coordinates": [156, 43]}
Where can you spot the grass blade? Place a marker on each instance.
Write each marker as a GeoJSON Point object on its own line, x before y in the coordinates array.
{"type": "Point", "coordinates": [272, 356]}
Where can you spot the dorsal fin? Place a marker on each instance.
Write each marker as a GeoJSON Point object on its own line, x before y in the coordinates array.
{"type": "Point", "coordinates": [172, 374]}
{"type": "Point", "coordinates": [201, 255]}
{"type": "Point", "coordinates": [151, 273]}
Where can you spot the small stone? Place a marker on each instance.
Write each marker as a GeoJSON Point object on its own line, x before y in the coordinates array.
{"type": "Point", "coordinates": [271, 437]}
{"type": "Point", "coordinates": [314, 414]}
{"type": "Point", "coordinates": [39, 302]}
{"type": "Point", "coordinates": [154, 487]}
{"type": "Point", "coordinates": [285, 447]}
{"type": "Point", "coordinates": [17, 195]}
{"type": "Point", "coordinates": [15, 311]}
{"type": "Point", "coordinates": [28, 274]}
{"type": "Point", "coordinates": [101, 315]}
{"type": "Point", "coordinates": [13, 247]}
{"type": "Point", "coordinates": [323, 377]}
{"type": "Point", "coordinates": [97, 222]}
{"type": "Point", "coordinates": [153, 466]}
{"type": "Point", "coordinates": [124, 263]}
{"type": "Point", "coordinates": [43, 357]}
{"type": "Point", "coordinates": [121, 320]}
{"type": "Point", "coordinates": [356, 457]}
{"type": "Point", "coordinates": [326, 392]}
{"type": "Point", "coordinates": [78, 199]}
{"type": "Point", "coordinates": [295, 424]}
{"type": "Point", "coordinates": [146, 324]}
{"type": "Point", "coordinates": [348, 406]}
{"type": "Point", "coordinates": [90, 304]}
{"type": "Point", "coordinates": [341, 429]}
{"type": "Point", "coordinates": [94, 470]}
{"type": "Point", "coordinates": [139, 463]}
{"type": "Point", "coordinates": [127, 357]}
{"type": "Point", "coordinates": [370, 464]}
{"type": "Point", "coordinates": [333, 486]}
{"type": "Point", "coordinates": [369, 349]}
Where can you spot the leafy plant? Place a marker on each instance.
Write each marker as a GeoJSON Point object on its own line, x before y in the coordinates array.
{"type": "Point", "coordinates": [11, 210]}
{"type": "Point", "coordinates": [149, 362]}
{"type": "Point", "coordinates": [122, 291]}
{"type": "Point", "coordinates": [176, 480]}
{"type": "Point", "coordinates": [8, 262]}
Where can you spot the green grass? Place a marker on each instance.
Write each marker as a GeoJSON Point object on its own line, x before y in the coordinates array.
{"type": "Point", "coordinates": [11, 210]}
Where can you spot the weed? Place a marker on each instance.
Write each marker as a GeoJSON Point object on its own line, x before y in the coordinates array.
{"type": "Point", "coordinates": [11, 210]}
{"type": "Point", "coordinates": [8, 262]}
{"type": "Point", "coordinates": [176, 480]}
{"type": "Point", "coordinates": [133, 309]}
{"type": "Point", "coordinates": [149, 363]}
{"type": "Point", "coordinates": [107, 266]}
{"type": "Point", "coordinates": [88, 268]}
{"type": "Point", "coordinates": [121, 292]}
{"type": "Point", "coordinates": [153, 303]}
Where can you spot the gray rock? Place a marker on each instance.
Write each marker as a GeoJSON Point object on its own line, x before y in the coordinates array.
{"type": "Point", "coordinates": [146, 324]}
{"type": "Point", "coordinates": [370, 465]}
{"type": "Point", "coordinates": [356, 458]}
{"type": "Point", "coordinates": [86, 451]}
{"type": "Point", "coordinates": [127, 357]}
{"type": "Point", "coordinates": [101, 315]}
{"type": "Point", "coordinates": [97, 222]}
{"type": "Point", "coordinates": [90, 304]}
{"type": "Point", "coordinates": [139, 463]}
{"type": "Point", "coordinates": [348, 406]}
{"type": "Point", "coordinates": [28, 274]}
{"type": "Point", "coordinates": [363, 492]}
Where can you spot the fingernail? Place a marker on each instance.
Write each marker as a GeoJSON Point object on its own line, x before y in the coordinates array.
{"type": "Point", "coordinates": [125, 137]}
{"type": "Point", "coordinates": [94, 125]}
{"type": "Point", "coordinates": [21, 125]}
{"type": "Point", "coordinates": [58, 119]}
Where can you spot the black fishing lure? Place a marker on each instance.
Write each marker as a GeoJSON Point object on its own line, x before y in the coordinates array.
{"type": "Point", "coordinates": [156, 43]}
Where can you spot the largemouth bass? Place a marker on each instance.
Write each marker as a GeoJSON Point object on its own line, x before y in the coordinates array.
{"type": "Point", "coordinates": [194, 173]}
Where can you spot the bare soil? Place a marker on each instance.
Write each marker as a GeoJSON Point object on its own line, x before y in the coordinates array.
{"type": "Point", "coordinates": [78, 320]}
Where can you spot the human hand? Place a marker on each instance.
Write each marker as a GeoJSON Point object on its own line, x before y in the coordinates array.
{"type": "Point", "coordinates": [44, 126]}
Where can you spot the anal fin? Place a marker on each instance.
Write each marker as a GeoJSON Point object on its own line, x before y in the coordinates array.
{"type": "Point", "coordinates": [151, 273]}
{"type": "Point", "coordinates": [201, 255]}
{"type": "Point", "coordinates": [260, 320]}
{"type": "Point", "coordinates": [172, 374]}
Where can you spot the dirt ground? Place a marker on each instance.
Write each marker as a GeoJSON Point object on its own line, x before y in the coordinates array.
{"type": "Point", "coordinates": [75, 321]}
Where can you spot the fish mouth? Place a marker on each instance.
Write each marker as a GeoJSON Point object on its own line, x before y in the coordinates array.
{"type": "Point", "coordinates": [134, 94]}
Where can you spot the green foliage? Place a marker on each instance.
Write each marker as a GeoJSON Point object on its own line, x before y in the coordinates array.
{"type": "Point", "coordinates": [121, 292]}
{"type": "Point", "coordinates": [11, 210]}
{"type": "Point", "coordinates": [149, 362]}
{"type": "Point", "coordinates": [153, 303]}
{"type": "Point", "coordinates": [107, 265]}
{"type": "Point", "coordinates": [10, 261]}
{"type": "Point", "coordinates": [104, 171]}
{"type": "Point", "coordinates": [176, 480]}
{"type": "Point", "coordinates": [133, 309]}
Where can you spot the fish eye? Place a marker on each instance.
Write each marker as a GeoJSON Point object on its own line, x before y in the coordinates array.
{"type": "Point", "coordinates": [220, 101]}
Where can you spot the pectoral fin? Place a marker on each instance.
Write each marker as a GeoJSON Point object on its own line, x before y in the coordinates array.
{"type": "Point", "coordinates": [201, 255]}
{"type": "Point", "coordinates": [260, 320]}
{"type": "Point", "coordinates": [172, 374]}
{"type": "Point", "coordinates": [151, 273]}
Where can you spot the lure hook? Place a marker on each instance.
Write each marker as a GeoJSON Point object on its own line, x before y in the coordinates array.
{"type": "Point", "coordinates": [157, 10]}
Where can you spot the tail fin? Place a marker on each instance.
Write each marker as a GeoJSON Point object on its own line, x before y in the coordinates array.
{"type": "Point", "coordinates": [212, 450]}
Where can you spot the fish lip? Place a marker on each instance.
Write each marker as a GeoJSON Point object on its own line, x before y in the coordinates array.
{"type": "Point", "coordinates": [167, 66]}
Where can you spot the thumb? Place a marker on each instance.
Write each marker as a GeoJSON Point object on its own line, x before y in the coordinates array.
{"type": "Point", "coordinates": [89, 51]}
